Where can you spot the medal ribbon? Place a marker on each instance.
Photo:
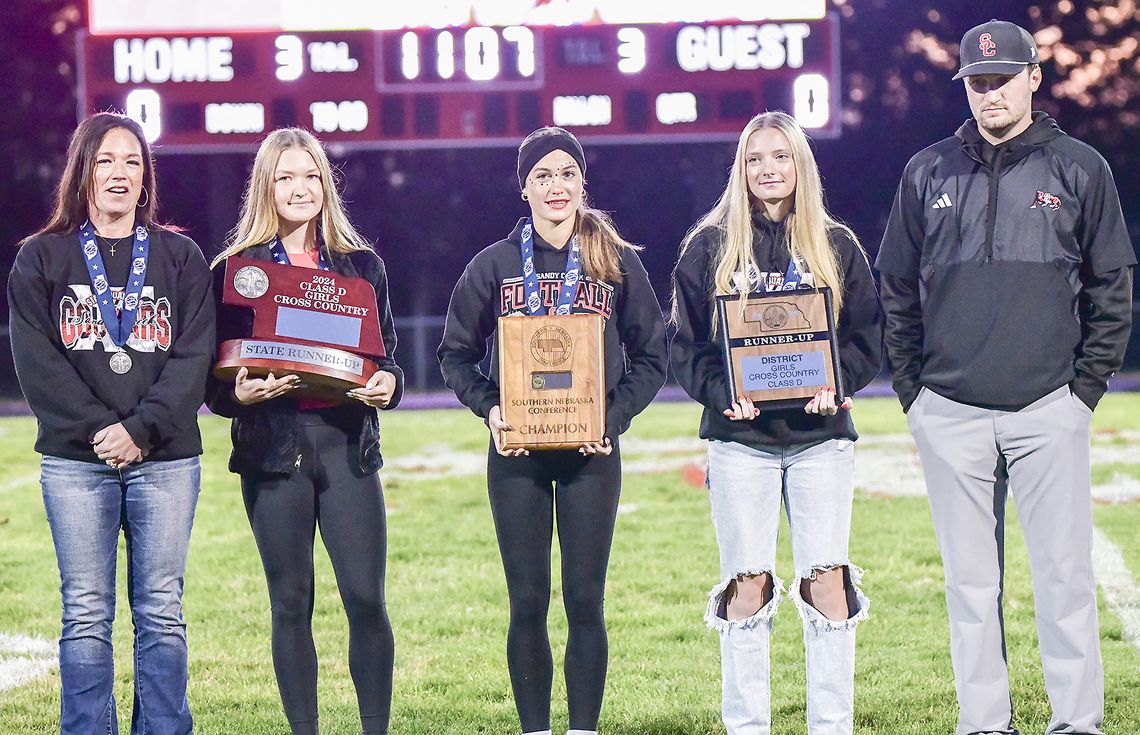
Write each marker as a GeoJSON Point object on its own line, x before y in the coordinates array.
{"type": "Point", "coordinates": [119, 326]}
{"type": "Point", "coordinates": [530, 278]}
{"type": "Point", "coordinates": [792, 277]}
{"type": "Point", "coordinates": [277, 250]}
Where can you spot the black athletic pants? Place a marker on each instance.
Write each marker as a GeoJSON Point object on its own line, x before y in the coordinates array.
{"type": "Point", "coordinates": [327, 489]}
{"type": "Point", "coordinates": [526, 494]}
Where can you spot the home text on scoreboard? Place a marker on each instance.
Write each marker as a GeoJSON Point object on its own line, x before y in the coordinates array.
{"type": "Point", "coordinates": [467, 85]}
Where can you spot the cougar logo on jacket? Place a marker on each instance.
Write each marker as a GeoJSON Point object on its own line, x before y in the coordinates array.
{"type": "Point", "coordinates": [81, 325]}
{"type": "Point", "coordinates": [1045, 199]}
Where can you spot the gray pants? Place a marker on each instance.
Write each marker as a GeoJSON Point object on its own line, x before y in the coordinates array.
{"type": "Point", "coordinates": [971, 457]}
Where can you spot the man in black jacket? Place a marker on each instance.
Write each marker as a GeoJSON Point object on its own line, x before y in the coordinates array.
{"type": "Point", "coordinates": [1007, 285]}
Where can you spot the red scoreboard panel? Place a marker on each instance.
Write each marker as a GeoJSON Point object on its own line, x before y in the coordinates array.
{"type": "Point", "coordinates": [656, 78]}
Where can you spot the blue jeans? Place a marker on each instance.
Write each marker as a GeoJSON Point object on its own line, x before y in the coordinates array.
{"type": "Point", "coordinates": [153, 504]}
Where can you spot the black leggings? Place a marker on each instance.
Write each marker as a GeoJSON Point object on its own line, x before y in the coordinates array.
{"type": "Point", "coordinates": [327, 489]}
{"type": "Point", "coordinates": [525, 494]}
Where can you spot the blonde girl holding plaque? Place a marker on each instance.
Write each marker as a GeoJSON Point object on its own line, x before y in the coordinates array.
{"type": "Point", "coordinates": [305, 463]}
{"type": "Point", "coordinates": [770, 231]}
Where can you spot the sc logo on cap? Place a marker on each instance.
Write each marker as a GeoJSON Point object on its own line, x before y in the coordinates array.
{"type": "Point", "coordinates": [987, 45]}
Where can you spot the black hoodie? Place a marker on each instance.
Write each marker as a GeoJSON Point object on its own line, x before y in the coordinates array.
{"type": "Point", "coordinates": [1006, 271]}
{"type": "Point", "coordinates": [492, 286]}
{"type": "Point", "coordinates": [61, 348]}
{"type": "Point", "coordinates": [698, 357]}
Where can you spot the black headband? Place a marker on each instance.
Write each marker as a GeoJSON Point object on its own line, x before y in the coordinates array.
{"type": "Point", "coordinates": [543, 141]}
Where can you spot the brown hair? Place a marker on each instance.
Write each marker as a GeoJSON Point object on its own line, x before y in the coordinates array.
{"type": "Point", "coordinates": [73, 192]}
{"type": "Point", "coordinates": [600, 243]}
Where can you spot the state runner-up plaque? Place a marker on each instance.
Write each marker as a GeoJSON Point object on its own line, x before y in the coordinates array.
{"type": "Point", "coordinates": [552, 380]}
{"type": "Point", "coordinates": [780, 348]}
{"type": "Point", "coordinates": [319, 325]}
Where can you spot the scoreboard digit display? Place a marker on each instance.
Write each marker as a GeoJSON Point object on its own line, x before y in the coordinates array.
{"type": "Point", "coordinates": [209, 76]}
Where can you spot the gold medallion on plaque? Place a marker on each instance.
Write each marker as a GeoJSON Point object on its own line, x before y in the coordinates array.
{"type": "Point", "coordinates": [551, 345]}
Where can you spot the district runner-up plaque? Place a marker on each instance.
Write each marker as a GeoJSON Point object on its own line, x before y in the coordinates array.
{"type": "Point", "coordinates": [317, 324]}
{"type": "Point", "coordinates": [780, 348]}
{"type": "Point", "coordinates": [552, 380]}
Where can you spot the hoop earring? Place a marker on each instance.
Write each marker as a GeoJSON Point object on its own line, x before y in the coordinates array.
{"type": "Point", "coordinates": [524, 197]}
{"type": "Point", "coordinates": [143, 204]}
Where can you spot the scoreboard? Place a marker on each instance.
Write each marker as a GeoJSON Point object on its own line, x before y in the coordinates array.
{"type": "Point", "coordinates": [210, 75]}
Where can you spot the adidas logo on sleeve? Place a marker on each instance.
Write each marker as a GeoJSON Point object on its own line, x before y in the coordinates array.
{"type": "Point", "coordinates": [942, 202]}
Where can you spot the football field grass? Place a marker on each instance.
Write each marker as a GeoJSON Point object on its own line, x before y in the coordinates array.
{"type": "Point", "coordinates": [447, 598]}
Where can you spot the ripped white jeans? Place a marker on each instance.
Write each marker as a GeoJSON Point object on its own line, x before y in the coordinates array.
{"type": "Point", "coordinates": [815, 485]}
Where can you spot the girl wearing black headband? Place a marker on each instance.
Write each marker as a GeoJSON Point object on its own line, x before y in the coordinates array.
{"type": "Point", "coordinates": [580, 486]}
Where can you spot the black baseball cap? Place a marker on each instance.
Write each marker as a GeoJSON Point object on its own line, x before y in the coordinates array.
{"type": "Point", "coordinates": [997, 47]}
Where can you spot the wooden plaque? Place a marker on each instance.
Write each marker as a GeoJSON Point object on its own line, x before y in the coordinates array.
{"type": "Point", "coordinates": [780, 348]}
{"type": "Point", "coordinates": [552, 380]}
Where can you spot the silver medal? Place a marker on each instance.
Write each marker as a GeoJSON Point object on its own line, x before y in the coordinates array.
{"type": "Point", "coordinates": [121, 363]}
{"type": "Point", "coordinates": [251, 282]}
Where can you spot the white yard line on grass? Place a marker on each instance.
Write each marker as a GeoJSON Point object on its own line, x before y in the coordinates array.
{"type": "Point", "coordinates": [23, 659]}
{"type": "Point", "coordinates": [1120, 590]}
{"type": "Point", "coordinates": [887, 464]}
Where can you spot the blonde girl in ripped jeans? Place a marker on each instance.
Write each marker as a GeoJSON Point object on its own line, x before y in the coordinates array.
{"type": "Point", "coordinates": [815, 485]}
{"type": "Point", "coordinates": [771, 232]}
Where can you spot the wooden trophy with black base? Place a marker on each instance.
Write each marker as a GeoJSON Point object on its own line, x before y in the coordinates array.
{"type": "Point", "coordinates": [780, 346]}
{"type": "Point", "coordinates": [552, 380]}
{"type": "Point", "coordinates": [316, 324]}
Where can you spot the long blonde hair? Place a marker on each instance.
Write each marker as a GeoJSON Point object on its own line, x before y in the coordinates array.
{"type": "Point", "coordinates": [259, 221]}
{"type": "Point", "coordinates": [808, 224]}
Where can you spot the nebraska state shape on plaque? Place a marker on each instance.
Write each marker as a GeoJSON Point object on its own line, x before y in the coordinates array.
{"type": "Point", "coordinates": [780, 346]}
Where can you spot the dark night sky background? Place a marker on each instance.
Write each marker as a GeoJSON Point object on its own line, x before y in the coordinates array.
{"type": "Point", "coordinates": [430, 211]}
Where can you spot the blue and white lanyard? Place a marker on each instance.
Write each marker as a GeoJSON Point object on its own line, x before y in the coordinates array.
{"type": "Point", "coordinates": [119, 326]}
{"type": "Point", "coordinates": [277, 250]}
{"type": "Point", "coordinates": [530, 278]}
{"type": "Point", "coordinates": [792, 277]}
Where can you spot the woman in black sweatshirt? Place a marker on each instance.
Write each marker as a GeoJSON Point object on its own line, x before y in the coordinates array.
{"type": "Point", "coordinates": [305, 462]}
{"type": "Point", "coordinates": [580, 486]}
{"type": "Point", "coordinates": [769, 232]}
{"type": "Point", "coordinates": [112, 327]}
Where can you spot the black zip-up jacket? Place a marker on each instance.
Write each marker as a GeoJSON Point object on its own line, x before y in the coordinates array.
{"type": "Point", "coordinates": [61, 349]}
{"type": "Point", "coordinates": [1006, 271]}
{"type": "Point", "coordinates": [491, 286]}
{"type": "Point", "coordinates": [698, 356]}
{"type": "Point", "coordinates": [264, 434]}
